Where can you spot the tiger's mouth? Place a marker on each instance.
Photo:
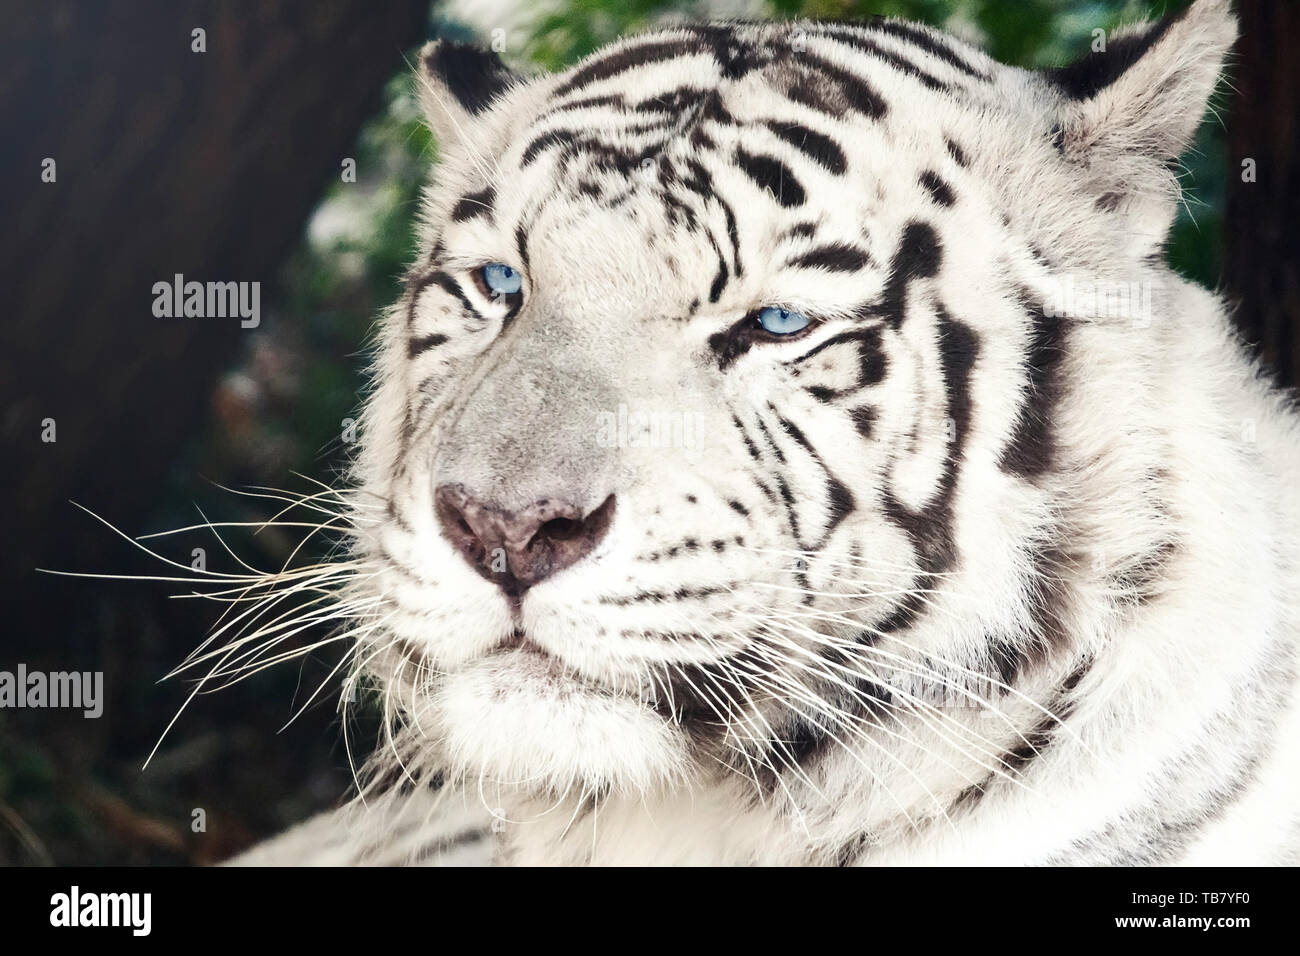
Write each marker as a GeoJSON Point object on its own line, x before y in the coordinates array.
{"type": "Point", "coordinates": [519, 640]}
{"type": "Point", "coordinates": [533, 656]}
{"type": "Point", "coordinates": [537, 664]}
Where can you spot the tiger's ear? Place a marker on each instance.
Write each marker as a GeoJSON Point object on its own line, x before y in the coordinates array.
{"type": "Point", "coordinates": [459, 81]}
{"type": "Point", "coordinates": [1133, 104]}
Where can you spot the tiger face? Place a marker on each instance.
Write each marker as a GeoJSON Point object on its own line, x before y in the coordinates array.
{"type": "Point", "coordinates": [723, 427]}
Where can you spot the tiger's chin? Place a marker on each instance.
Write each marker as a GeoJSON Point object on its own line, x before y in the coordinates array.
{"type": "Point", "coordinates": [515, 719]}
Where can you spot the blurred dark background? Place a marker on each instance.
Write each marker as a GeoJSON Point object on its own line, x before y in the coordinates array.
{"type": "Point", "coordinates": [227, 165]}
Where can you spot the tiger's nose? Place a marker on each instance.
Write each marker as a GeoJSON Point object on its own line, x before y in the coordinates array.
{"type": "Point", "coordinates": [517, 549]}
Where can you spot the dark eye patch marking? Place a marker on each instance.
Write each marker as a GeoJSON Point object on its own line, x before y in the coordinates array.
{"type": "Point", "coordinates": [939, 190]}
{"type": "Point", "coordinates": [772, 175]}
{"type": "Point", "coordinates": [869, 337]}
{"type": "Point", "coordinates": [872, 363]}
{"type": "Point", "coordinates": [817, 147]}
{"type": "Point", "coordinates": [443, 281]}
{"type": "Point", "coordinates": [474, 204]}
{"type": "Point", "coordinates": [417, 344]}
{"type": "Point", "coordinates": [834, 257]}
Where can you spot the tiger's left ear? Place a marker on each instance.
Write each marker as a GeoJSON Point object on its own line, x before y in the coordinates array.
{"type": "Point", "coordinates": [1132, 107]}
{"type": "Point", "coordinates": [458, 82]}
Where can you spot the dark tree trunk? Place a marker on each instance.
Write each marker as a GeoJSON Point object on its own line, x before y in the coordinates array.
{"type": "Point", "coordinates": [168, 161]}
{"type": "Point", "coordinates": [1263, 268]}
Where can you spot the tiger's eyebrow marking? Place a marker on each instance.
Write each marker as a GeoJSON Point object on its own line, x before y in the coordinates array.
{"type": "Point", "coordinates": [958, 154]}
{"type": "Point", "coordinates": [700, 182]}
{"type": "Point", "coordinates": [676, 101]}
{"type": "Point", "coordinates": [474, 204]}
{"type": "Point", "coordinates": [627, 58]}
{"type": "Point", "coordinates": [818, 147]}
{"type": "Point", "coordinates": [938, 189]}
{"type": "Point", "coordinates": [771, 175]}
{"type": "Point", "coordinates": [926, 41]}
{"type": "Point", "coordinates": [721, 277]}
{"type": "Point", "coordinates": [613, 100]}
{"type": "Point", "coordinates": [800, 230]}
{"type": "Point", "coordinates": [833, 257]}
{"type": "Point", "coordinates": [899, 62]}
{"type": "Point", "coordinates": [853, 90]}
{"type": "Point", "coordinates": [554, 137]}
{"type": "Point", "coordinates": [521, 243]}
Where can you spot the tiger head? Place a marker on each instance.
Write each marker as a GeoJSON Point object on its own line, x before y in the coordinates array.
{"type": "Point", "coordinates": [735, 422]}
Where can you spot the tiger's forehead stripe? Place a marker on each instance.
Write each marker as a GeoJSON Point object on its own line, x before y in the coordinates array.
{"type": "Point", "coordinates": [629, 134]}
{"type": "Point", "coordinates": [820, 149]}
{"type": "Point", "coordinates": [474, 204]}
{"type": "Point", "coordinates": [740, 49]}
{"type": "Point", "coordinates": [931, 43]}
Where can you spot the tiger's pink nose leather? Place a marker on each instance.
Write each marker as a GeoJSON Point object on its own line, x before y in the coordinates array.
{"type": "Point", "coordinates": [517, 549]}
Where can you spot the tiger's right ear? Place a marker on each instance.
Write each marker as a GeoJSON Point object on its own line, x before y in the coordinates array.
{"type": "Point", "coordinates": [458, 82]}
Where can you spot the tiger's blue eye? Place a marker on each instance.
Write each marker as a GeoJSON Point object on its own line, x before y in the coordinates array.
{"type": "Point", "coordinates": [780, 321]}
{"type": "Point", "coordinates": [500, 279]}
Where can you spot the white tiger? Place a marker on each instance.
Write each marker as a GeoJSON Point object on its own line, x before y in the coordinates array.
{"type": "Point", "coordinates": [971, 535]}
